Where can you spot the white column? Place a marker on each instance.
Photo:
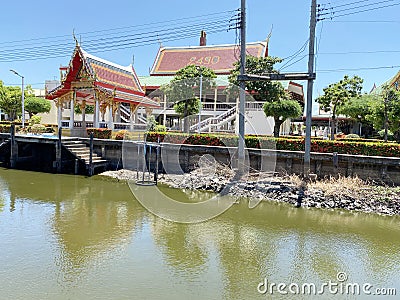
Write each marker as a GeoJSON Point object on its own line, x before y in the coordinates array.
{"type": "Point", "coordinates": [110, 117]}
{"type": "Point", "coordinates": [72, 111]}
{"type": "Point", "coordinates": [215, 99]}
{"type": "Point", "coordinates": [59, 114]}
{"type": "Point", "coordinates": [165, 111]}
{"type": "Point", "coordinates": [118, 113]}
{"type": "Point", "coordinates": [84, 115]}
{"type": "Point", "coordinates": [96, 115]}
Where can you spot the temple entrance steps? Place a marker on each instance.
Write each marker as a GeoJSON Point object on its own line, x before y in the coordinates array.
{"type": "Point", "coordinates": [215, 123]}
{"type": "Point", "coordinates": [125, 114]}
{"type": "Point", "coordinates": [81, 151]}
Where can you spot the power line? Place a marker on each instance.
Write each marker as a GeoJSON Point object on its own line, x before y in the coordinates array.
{"type": "Point", "coordinates": [293, 56]}
{"type": "Point", "coordinates": [112, 38]}
{"type": "Point", "coordinates": [333, 15]}
{"type": "Point", "coordinates": [360, 52]}
{"type": "Point", "coordinates": [358, 69]}
{"type": "Point", "coordinates": [364, 5]}
{"type": "Point", "coordinates": [363, 21]}
{"type": "Point", "coordinates": [116, 42]}
{"type": "Point", "coordinates": [118, 28]}
{"type": "Point", "coordinates": [357, 2]}
{"type": "Point", "coordinates": [365, 10]}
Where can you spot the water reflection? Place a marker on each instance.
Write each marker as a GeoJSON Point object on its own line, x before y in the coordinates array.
{"type": "Point", "coordinates": [97, 233]}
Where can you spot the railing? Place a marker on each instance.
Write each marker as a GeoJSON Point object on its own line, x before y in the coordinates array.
{"type": "Point", "coordinates": [142, 119]}
{"type": "Point", "coordinates": [215, 121]}
{"type": "Point", "coordinates": [250, 105]}
{"type": "Point", "coordinates": [254, 105]}
{"type": "Point", "coordinates": [218, 106]}
{"type": "Point", "coordinates": [116, 126]}
{"type": "Point", "coordinates": [125, 113]}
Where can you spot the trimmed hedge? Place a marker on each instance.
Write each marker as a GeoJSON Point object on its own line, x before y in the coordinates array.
{"type": "Point", "coordinates": [5, 128]}
{"type": "Point", "coordinates": [100, 133]}
{"type": "Point", "coordinates": [282, 143]}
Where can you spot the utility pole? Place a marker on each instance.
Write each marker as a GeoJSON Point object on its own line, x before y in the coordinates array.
{"type": "Point", "coordinates": [242, 85]}
{"type": "Point", "coordinates": [310, 82]}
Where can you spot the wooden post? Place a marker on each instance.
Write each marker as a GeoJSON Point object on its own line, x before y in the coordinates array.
{"type": "Point", "coordinates": [350, 168]}
{"type": "Point", "coordinates": [91, 155]}
{"type": "Point", "coordinates": [13, 148]}
{"type": "Point", "coordinates": [76, 169]}
{"type": "Point", "coordinates": [59, 151]}
{"type": "Point", "coordinates": [157, 160]}
{"type": "Point", "coordinates": [289, 163]}
{"type": "Point", "coordinates": [335, 160]}
{"type": "Point", "coordinates": [318, 167]}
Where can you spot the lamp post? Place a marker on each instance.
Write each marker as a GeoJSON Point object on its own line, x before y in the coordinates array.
{"type": "Point", "coordinates": [22, 98]}
{"type": "Point", "coordinates": [201, 91]}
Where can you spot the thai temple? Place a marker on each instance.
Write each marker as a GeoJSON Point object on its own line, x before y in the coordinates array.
{"type": "Point", "coordinates": [122, 100]}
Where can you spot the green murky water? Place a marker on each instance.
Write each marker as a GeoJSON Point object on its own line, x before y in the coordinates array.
{"type": "Point", "coordinates": [69, 237]}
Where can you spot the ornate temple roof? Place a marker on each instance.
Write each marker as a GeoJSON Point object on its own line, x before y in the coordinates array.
{"type": "Point", "coordinates": [220, 58]}
{"type": "Point", "coordinates": [86, 71]}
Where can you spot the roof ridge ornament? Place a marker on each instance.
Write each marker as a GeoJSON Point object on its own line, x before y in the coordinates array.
{"type": "Point", "coordinates": [73, 35]}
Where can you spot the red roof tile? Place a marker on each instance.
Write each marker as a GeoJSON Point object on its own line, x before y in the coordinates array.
{"type": "Point", "coordinates": [219, 58]}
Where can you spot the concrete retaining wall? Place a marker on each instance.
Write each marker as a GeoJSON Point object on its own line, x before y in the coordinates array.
{"type": "Point", "coordinates": [183, 158]}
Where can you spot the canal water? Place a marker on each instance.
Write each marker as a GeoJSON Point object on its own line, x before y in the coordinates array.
{"type": "Point", "coordinates": [71, 237]}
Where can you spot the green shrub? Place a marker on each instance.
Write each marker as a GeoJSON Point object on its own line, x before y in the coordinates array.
{"type": "Point", "coordinates": [390, 135]}
{"type": "Point", "coordinates": [5, 128]}
{"type": "Point", "coordinates": [268, 142]}
{"type": "Point", "coordinates": [100, 133]}
{"type": "Point", "coordinates": [160, 128]}
{"type": "Point", "coordinates": [35, 120]}
{"type": "Point", "coordinates": [352, 136]}
{"type": "Point", "coordinates": [37, 129]}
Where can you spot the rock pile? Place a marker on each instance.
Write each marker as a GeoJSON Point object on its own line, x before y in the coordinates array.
{"type": "Point", "coordinates": [345, 193]}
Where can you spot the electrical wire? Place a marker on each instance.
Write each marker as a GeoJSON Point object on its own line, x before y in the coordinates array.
{"type": "Point", "coordinates": [114, 43]}
{"type": "Point", "coordinates": [365, 10]}
{"type": "Point", "coordinates": [357, 2]}
{"type": "Point", "coordinates": [364, 5]}
{"type": "Point", "coordinates": [333, 14]}
{"type": "Point", "coordinates": [192, 20]}
{"type": "Point", "coordinates": [293, 56]}
{"type": "Point", "coordinates": [358, 69]}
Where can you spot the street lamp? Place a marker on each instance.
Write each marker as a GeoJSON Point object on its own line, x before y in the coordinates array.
{"type": "Point", "coordinates": [22, 100]}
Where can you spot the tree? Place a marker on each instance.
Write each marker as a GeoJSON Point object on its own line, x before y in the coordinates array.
{"type": "Point", "coordinates": [359, 108]}
{"type": "Point", "coordinates": [89, 109]}
{"type": "Point", "coordinates": [336, 95]}
{"type": "Point", "coordinates": [277, 101]}
{"type": "Point", "coordinates": [260, 90]}
{"type": "Point", "coordinates": [281, 110]}
{"type": "Point", "coordinates": [10, 101]}
{"type": "Point", "coordinates": [36, 105]}
{"type": "Point", "coordinates": [385, 111]}
{"type": "Point", "coordinates": [183, 87]}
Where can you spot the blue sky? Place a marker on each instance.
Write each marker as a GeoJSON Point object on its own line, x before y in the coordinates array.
{"type": "Point", "coordinates": [364, 32]}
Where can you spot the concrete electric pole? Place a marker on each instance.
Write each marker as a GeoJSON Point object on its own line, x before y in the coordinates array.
{"type": "Point", "coordinates": [242, 85]}
{"type": "Point", "coordinates": [310, 83]}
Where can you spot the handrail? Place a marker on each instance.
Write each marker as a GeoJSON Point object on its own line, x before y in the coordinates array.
{"type": "Point", "coordinates": [214, 121]}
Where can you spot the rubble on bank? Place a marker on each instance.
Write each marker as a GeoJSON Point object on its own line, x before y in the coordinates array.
{"type": "Point", "coordinates": [344, 193]}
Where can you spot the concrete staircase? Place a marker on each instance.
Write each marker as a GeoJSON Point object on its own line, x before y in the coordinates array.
{"type": "Point", "coordinates": [81, 151]}
{"type": "Point", "coordinates": [214, 123]}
